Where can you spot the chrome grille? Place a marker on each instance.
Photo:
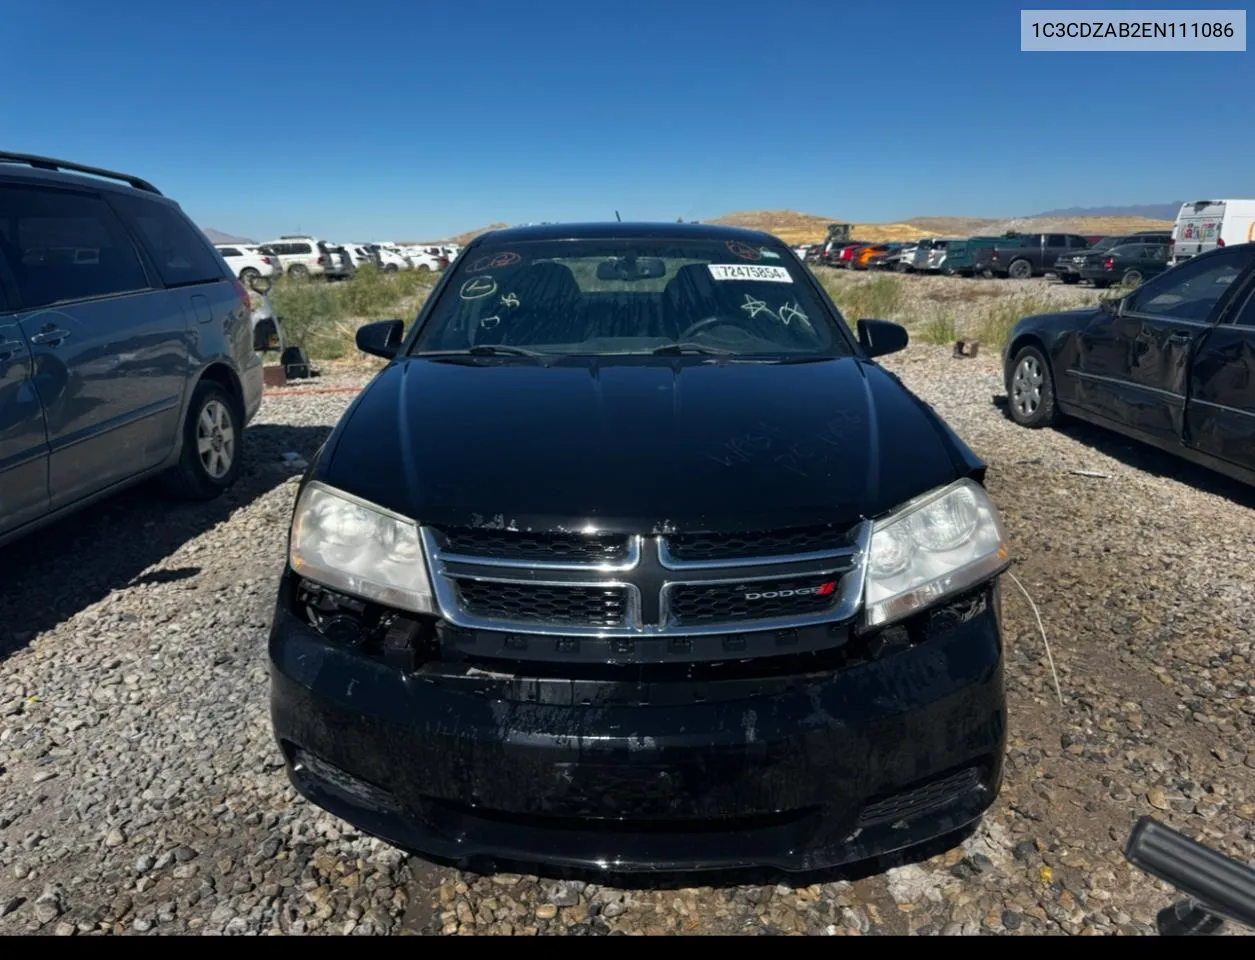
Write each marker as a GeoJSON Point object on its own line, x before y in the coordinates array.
{"type": "Point", "coordinates": [700, 603]}
{"type": "Point", "coordinates": [660, 586]}
{"type": "Point", "coordinates": [544, 603]}
{"type": "Point", "coordinates": [717, 547]}
{"type": "Point", "coordinates": [541, 547]}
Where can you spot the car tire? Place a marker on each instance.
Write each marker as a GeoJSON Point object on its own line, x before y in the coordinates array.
{"type": "Point", "coordinates": [214, 424]}
{"type": "Point", "coordinates": [390, 268]}
{"type": "Point", "coordinates": [1069, 278]}
{"type": "Point", "coordinates": [1132, 278]}
{"type": "Point", "coordinates": [298, 272]}
{"type": "Point", "coordinates": [1020, 270]}
{"type": "Point", "coordinates": [248, 275]}
{"type": "Point", "coordinates": [1031, 390]}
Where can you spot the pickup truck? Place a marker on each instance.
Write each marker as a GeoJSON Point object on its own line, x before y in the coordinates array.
{"type": "Point", "coordinates": [1031, 254]}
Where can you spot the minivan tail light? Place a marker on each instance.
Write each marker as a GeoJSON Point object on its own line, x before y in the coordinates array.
{"type": "Point", "coordinates": [320, 261]}
{"type": "Point", "coordinates": [1109, 263]}
{"type": "Point", "coordinates": [245, 300]}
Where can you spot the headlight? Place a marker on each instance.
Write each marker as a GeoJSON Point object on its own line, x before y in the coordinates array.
{"type": "Point", "coordinates": [933, 547]}
{"type": "Point", "coordinates": [364, 550]}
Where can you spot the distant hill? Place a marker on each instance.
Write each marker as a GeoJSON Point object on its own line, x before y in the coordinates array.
{"type": "Point", "coordinates": [1150, 211]}
{"type": "Point", "coordinates": [793, 227]}
{"type": "Point", "coordinates": [462, 239]}
{"type": "Point", "coordinates": [217, 236]}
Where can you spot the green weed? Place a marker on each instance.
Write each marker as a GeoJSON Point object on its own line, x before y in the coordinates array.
{"type": "Point", "coordinates": [323, 317]}
{"type": "Point", "coordinates": [940, 330]}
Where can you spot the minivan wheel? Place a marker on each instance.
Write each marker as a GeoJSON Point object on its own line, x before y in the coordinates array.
{"type": "Point", "coordinates": [1031, 390]}
{"type": "Point", "coordinates": [1133, 278]}
{"type": "Point", "coordinates": [248, 275]}
{"type": "Point", "coordinates": [212, 444]}
{"type": "Point", "coordinates": [390, 268]}
{"type": "Point", "coordinates": [1020, 270]}
{"type": "Point", "coordinates": [298, 271]}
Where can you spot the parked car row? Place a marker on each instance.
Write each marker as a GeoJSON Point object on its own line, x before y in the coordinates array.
{"type": "Point", "coordinates": [1102, 261]}
{"type": "Point", "coordinates": [302, 256]}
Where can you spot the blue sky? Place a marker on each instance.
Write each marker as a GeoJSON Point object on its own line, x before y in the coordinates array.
{"type": "Point", "coordinates": [419, 119]}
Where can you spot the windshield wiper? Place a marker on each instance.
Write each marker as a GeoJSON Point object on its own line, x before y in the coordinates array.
{"type": "Point", "coordinates": [680, 349]}
{"type": "Point", "coordinates": [485, 350]}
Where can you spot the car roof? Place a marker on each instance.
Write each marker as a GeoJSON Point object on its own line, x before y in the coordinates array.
{"type": "Point", "coordinates": [17, 166]}
{"type": "Point", "coordinates": [619, 231]}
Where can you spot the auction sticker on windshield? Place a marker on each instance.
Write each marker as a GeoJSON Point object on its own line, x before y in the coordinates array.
{"type": "Point", "coordinates": [743, 271]}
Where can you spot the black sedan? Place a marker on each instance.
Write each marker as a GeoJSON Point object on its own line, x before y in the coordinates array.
{"type": "Point", "coordinates": [1127, 264]}
{"type": "Point", "coordinates": [1068, 266]}
{"type": "Point", "coordinates": [1172, 363]}
{"type": "Point", "coordinates": [633, 558]}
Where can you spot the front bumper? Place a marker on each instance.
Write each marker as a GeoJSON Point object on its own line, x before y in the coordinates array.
{"type": "Point", "coordinates": [819, 770]}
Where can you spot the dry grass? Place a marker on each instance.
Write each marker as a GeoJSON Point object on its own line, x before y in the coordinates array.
{"type": "Point", "coordinates": [941, 310]}
{"type": "Point", "coordinates": [323, 318]}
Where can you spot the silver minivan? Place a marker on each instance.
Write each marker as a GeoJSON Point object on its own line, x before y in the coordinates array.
{"type": "Point", "coordinates": [126, 347]}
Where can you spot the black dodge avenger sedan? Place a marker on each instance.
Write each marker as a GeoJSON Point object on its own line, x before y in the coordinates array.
{"type": "Point", "coordinates": [1169, 364]}
{"type": "Point", "coordinates": [632, 558]}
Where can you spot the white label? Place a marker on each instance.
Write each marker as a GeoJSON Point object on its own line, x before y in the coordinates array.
{"type": "Point", "coordinates": [1106, 30]}
{"type": "Point", "coordinates": [739, 271]}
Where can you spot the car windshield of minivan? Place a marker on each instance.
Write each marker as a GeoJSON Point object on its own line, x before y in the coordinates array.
{"type": "Point", "coordinates": [628, 297]}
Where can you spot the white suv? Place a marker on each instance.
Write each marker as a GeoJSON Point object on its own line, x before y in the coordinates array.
{"type": "Point", "coordinates": [248, 261]}
{"type": "Point", "coordinates": [431, 258]}
{"type": "Point", "coordinates": [301, 256]}
{"type": "Point", "coordinates": [359, 255]}
{"type": "Point", "coordinates": [390, 259]}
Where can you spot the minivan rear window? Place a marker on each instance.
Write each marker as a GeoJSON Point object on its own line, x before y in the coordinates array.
{"type": "Point", "coordinates": [182, 254]}
{"type": "Point", "coordinates": [62, 246]}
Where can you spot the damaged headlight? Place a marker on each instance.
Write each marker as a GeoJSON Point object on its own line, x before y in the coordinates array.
{"type": "Point", "coordinates": [356, 547]}
{"type": "Point", "coordinates": [934, 547]}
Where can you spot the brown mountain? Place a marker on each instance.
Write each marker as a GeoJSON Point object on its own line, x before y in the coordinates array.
{"type": "Point", "coordinates": [793, 227]}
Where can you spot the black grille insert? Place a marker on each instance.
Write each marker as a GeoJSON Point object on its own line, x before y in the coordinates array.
{"type": "Point", "coordinates": [694, 604]}
{"type": "Point", "coordinates": [928, 796]}
{"type": "Point", "coordinates": [536, 603]}
{"type": "Point", "coordinates": [737, 546]}
{"type": "Point", "coordinates": [541, 547]}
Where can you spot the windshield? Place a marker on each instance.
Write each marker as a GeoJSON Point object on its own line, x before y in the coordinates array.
{"type": "Point", "coordinates": [632, 296]}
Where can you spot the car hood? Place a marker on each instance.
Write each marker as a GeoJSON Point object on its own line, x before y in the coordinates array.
{"type": "Point", "coordinates": [639, 445]}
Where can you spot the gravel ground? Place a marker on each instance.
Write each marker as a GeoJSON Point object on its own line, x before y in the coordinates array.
{"type": "Point", "coordinates": [140, 790]}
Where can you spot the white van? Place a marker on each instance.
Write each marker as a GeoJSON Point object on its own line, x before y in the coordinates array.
{"type": "Point", "coordinates": [1206, 224]}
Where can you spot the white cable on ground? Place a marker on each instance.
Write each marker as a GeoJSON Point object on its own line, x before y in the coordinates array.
{"type": "Point", "coordinates": [1049, 656]}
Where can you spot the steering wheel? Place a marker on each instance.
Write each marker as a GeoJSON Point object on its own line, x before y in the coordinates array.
{"type": "Point", "coordinates": [706, 324]}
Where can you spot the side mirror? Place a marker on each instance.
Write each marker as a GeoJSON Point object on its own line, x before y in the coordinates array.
{"type": "Point", "coordinates": [881, 337]}
{"type": "Point", "coordinates": [382, 338]}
